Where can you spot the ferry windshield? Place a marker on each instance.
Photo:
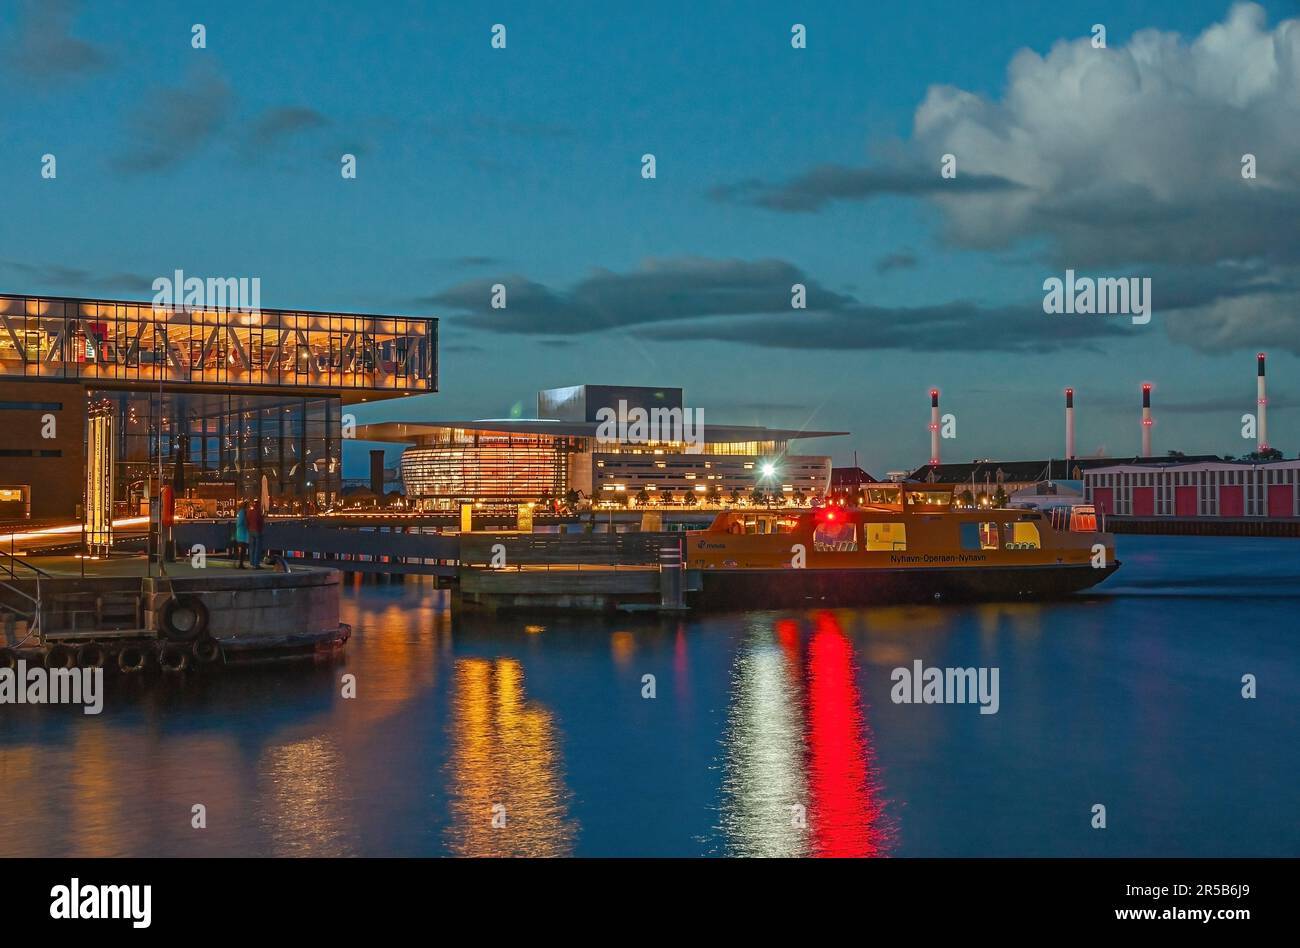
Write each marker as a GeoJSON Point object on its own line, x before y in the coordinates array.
{"type": "Point", "coordinates": [930, 498]}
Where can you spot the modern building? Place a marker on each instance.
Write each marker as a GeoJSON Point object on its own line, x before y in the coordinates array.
{"type": "Point", "coordinates": [103, 402]}
{"type": "Point", "coordinates": [606, 443]}
{"type": "Point", "coordinates": [1196, 488]}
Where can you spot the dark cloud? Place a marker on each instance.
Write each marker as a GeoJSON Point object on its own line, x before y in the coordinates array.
{"type": "Point", "coordinates": [949, 327]}
{"type": "Point", "coordinates": [69, 281]}
{"type": "Point", "coordinates": [277, 125]}
{"type": "Point", "coordinates": [903, 260]}
{"type": "Point", "coordinates": [821, 186]}
{"type": "Point", "coordinates": [660, 290]}
{"type": "Point", "coordinates": [43, 46]}
{"type": "Point", "coordinates": [176, 123]}
{"type": "Point", "coordinates": [748, 302]}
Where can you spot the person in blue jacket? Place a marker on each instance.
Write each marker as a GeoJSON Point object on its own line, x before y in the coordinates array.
{"type": "Point", "coordinates": [241, 533]}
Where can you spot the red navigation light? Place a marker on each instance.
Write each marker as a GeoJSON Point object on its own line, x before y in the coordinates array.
{"type": "Point", "coordinates": [1146, 386]}
{"type": "Point", "coordinates": [827, 515]}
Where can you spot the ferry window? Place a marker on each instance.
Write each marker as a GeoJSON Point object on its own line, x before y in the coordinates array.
{"type": "Point", "coordinates": [886, 536]}
{"type": "Point", "coordinates": [882, 495]}
{"type": "Point", "coordinates": [930, 498]}
{"type": "Point", "coordinates": [836, 538]}
{"type": "Point", "coordinates": [1022, 536]}
{"type": "Point", "coordinates": [979, 536]}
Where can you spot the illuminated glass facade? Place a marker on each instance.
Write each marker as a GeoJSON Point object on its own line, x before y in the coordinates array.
{"type": "Point", "coordinates": [108, 342]}
{"type": "Point", "coordinates": [487, 466]}
{"type": "Point", "coordinates": [220, 404]}
{"type": "Point", "coordinates": [217, 449]}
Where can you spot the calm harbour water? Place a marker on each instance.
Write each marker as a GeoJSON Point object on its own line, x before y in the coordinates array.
{"type": "Point", "coordinates": [1130, 697]}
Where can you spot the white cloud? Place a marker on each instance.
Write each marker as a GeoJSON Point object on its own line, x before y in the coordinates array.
{"type": "Point", "coordinates": [1132, 154]}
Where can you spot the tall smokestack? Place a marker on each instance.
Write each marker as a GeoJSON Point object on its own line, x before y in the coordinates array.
{"type": "Point", "coordinates": [1069, 424]}
{"type": "Point", "coordinates": [934, 426]}
{"type": "Point", "coordinates": [1263, 404]}
{"type": "Point", "coordinates": [1146, 420]}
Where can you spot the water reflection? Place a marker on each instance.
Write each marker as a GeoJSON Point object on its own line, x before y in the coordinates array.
{"type": "Point", "coordinates": [304, 812]}
{"type": "Point", "coordinates": [799, 774]}
{"type": "Point", "coordinates": [505, 767]}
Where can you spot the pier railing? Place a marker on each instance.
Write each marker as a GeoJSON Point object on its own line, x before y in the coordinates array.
{"type": "Point", "coordinates": [566, 551]}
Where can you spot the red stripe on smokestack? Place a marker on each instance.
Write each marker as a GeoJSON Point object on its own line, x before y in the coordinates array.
{"type": "Point", "coordinates": [1146, 420]}
{"type": "Point", "coordinates": [934, 426]}
{"type": "Point", "coordinates": [1069, 424]}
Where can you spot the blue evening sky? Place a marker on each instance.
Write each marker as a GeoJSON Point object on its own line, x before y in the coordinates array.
{"type": "Point", "coordinates": [523, 165]}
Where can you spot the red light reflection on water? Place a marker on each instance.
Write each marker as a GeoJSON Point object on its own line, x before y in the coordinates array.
{"type": "Point", "coordinates": [844, 813]}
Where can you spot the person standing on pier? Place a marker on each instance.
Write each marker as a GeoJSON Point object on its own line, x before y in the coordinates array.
{"type": "Point", "coordinates": [241, 533]}
{"type": "Point", "coordinates": [255, 533]}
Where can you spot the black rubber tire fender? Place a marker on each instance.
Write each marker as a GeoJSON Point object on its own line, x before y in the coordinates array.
{"type": "Point", "coordinates": [91, 655]}
{"type": "Point", "coordinates": [206, 651]}
{"type": "Point", "coordinates": [173, 658]}
{"type": "Point", "coordinates": [131, 659]}
{"type": "Point", "coordinates": [184, 618]}
{"type": "Point", "coordinates": [60, 656]}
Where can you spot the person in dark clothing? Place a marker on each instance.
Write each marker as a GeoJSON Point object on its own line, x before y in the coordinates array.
{"type": "Point", "coordinates": [255, 534]}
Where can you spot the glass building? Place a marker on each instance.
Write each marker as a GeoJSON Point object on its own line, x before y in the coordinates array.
{"type": "Point", "coordinates": [567, 451]}
{"type": "Point", "coordinates": [219, 404]}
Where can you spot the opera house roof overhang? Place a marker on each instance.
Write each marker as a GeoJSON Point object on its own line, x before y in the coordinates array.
{"type": "Point", "coordinates": [402, 432]}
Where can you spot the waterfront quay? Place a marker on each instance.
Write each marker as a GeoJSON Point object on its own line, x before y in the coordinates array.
{"type": "Point", "coordinates": [118, 613]}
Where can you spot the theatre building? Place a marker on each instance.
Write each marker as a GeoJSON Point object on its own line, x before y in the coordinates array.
{"type": "Point", "coordinates": [573, 447]}
{"type": "Point", "coordinates": [102, 402]}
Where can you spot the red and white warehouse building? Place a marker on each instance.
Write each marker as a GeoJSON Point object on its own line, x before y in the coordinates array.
{"type": "Point", "coordinates": [1199, 489]}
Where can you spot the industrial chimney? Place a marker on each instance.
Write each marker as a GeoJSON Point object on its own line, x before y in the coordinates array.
{"type": "Point", "coordinates": [1262, 427]}
{"type": "Point", "coordinates": [1146, 419]}
{"type": "Point", "coordinates": [934, 426]}
{"type": "Point", "coordinates": [1069, 424]}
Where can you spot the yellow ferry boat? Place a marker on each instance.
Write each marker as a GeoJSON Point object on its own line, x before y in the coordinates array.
{"type": "Point", "coordinates": [905, 542]}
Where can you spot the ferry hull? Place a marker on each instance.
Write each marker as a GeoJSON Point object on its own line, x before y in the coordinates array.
{"type": "Point", "coordinates": [796, 588]}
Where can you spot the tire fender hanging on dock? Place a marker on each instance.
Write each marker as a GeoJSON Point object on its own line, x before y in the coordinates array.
{"type": "Point", "coordinates": [91, 655]}
{"type": "Point", "coordinates": [60, 656]}
{"type": "Point", "coordinates": [131, 659]}
{"type": "Point", "coordinates": [184, 619]}
{"type": "Point", "coordinates": [206, 651]}
{"type": "Point", "coordinates": [173, 658]}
